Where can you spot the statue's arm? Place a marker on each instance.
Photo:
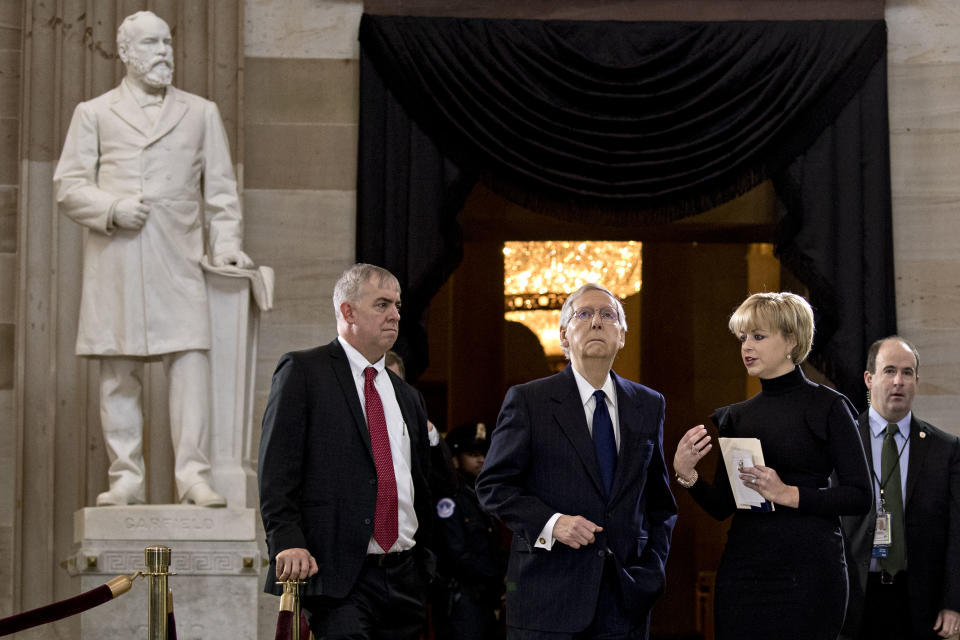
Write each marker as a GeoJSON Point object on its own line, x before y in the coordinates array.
{"type": "Point", "coordinates": [75, 179]}
{"type": "Point", "coordinates": [221, 202]}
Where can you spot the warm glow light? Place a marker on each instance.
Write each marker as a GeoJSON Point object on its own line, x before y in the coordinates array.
{"type": "Point", "coordinates": [544, 323]}
{"type": "Point", "coordinates": [538, 277]}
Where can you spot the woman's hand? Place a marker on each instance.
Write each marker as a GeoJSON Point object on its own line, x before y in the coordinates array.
{"type": "Point", "coordinates": [694, 444]}
{"type": "Point", "coordinates": [767, 483]}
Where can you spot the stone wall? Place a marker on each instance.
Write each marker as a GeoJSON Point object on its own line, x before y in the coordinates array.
{"type": "Point", "coordinates": [10, 55]}
{"type": "Point", "coordinates": [924, 76]}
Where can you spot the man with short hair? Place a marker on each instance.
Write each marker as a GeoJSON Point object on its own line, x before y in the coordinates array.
{"type": "Point", "coordinates": [904, 556]}
{"type": "Point", "coordinates": [146, 168]}
{"type": "Point", "coordinates": [576, 470]}
{"type": "Point", "coordinates": [343, 473]}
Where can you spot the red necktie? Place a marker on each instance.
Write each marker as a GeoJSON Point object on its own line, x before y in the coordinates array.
{"type": "Point", "coordinates": [385, 520]}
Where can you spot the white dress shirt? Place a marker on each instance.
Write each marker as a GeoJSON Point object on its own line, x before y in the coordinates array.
{"type": "Point", "coordinates": [399, 445]}
{"type": "Point", "coordinates": [545, 540]}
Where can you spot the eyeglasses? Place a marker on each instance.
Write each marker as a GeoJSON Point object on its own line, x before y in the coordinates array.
{"type": "Point", "coordinates": [586, 314]}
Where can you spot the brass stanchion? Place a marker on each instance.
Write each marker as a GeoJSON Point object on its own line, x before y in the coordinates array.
{"type": "Point", "coordinates": [158, 563]}
{"type": "Point", "coordinates": [290, 601]}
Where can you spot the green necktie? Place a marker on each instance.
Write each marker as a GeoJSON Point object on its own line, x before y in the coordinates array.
{"type": "Point", "coordinates": [893, 499]}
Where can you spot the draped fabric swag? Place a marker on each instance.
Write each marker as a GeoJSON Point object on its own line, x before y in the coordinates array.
{"type": "Point", "coordinates": [630, 124]}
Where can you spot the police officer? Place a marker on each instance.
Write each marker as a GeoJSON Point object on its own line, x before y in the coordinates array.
{"type": "Point", "coordinates": [469, 544]}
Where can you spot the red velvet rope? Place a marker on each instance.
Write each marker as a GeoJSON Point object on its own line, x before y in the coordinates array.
{"type": "Point", "coordinates": [56, 611]}
{"type": "Point", "coordinates": [304, 627]}
{"type": "Point", "coordinates": [284, 625]}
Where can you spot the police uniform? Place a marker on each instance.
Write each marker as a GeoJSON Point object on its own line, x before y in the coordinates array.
{"type": "Point", "coordinates": [471, 553]}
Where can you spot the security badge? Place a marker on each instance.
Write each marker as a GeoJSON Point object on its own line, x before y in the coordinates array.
{"type": "Point", "coordinates": [883, 535]}
{"type": "Point", "coordinates": [445, 508]}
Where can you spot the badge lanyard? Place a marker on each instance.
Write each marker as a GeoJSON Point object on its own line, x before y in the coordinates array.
{"type": "Point", "coordinates": [882, 537]}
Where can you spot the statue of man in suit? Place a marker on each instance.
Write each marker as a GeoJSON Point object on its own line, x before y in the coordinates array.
{"type": "Point", "coordinates": [146, 168]}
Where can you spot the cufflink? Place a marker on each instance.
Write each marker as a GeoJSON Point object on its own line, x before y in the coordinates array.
{"type": "Point", "coordinates": [543, 541]}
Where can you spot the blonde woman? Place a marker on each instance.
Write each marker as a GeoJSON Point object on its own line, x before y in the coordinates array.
{"type": "Point", "coordinates": [782, 574]}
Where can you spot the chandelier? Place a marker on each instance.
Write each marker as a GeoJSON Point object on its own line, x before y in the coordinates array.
{"type": "Point", "coordinates": [538, 277]}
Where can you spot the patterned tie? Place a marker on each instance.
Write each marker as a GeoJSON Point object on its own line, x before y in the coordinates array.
{"type": "Point", "coordinates": [385, 525]}
{"type": "Point", "coordinates": [896, 560]}
{"type": "Point", "coordinates": [603, 441]}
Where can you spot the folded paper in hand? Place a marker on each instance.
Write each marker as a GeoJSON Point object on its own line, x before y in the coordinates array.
{"type": "Point", "coordinates": [737, 454]}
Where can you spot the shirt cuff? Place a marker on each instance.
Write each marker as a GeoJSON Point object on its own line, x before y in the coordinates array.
{"type": "Point", "coordinates": [545, 540]}
{"type": "Point", "coordinates": [433, 435]}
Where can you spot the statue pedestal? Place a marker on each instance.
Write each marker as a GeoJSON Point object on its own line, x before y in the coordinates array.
{"type": "Point", "coordinates": [213, 554]}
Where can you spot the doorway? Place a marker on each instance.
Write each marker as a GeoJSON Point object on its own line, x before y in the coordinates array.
{"type": "Point", "coordinates": [694, 273]}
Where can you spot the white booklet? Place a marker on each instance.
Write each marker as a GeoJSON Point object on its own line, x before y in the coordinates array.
{"type": "Point", "coordinates": [737, 454]}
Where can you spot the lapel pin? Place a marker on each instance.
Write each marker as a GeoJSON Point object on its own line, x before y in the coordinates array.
{"type": "Point", "coordinates": [923, 434]}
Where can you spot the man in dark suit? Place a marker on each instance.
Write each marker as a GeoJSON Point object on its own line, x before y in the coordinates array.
{"type": "Point", "coordinates": [576, 470]}
{"type": "Point", "coordinates": [909, 587]}
{"type": "Point", "coordinates": [343, 467]}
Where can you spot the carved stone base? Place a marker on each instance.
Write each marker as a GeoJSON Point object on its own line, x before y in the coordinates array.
{"type": "Point", "coordinates": [214, 557]}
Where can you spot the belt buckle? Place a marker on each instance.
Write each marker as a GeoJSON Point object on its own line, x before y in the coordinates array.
{"type": "Point", "coordinates": [886, 578]}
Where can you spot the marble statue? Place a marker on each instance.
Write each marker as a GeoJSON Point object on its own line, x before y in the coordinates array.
{"type": "Point", "coordinates": [146, 169]}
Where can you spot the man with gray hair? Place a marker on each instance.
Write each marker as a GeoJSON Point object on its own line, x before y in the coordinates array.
{"type": "Point", "coordinates": [146, 169]}
{"type": "Point", "coordinates": [576, 470]}
{"type": "Point", "coordinates": [344, 460]}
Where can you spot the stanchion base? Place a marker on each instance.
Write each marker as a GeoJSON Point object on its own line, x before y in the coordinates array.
{"type": "Point", "coordinates": [214, 556]}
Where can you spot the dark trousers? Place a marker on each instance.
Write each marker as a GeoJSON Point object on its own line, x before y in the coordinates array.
{"type": "Point", "coordinates": [386, 603]}
{"type": "Point", "coordinates": [610, 620]}
{"type": "Point", "coordinates": [468, 618]}
{"type": "Point", "coordinates": [886, 611]}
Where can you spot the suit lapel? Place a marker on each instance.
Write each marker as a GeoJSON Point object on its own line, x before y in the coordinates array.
{"type": "Point", "coordinates": [123, 104]}
{"type": "Point", "coordinates": [630, 420]}
{"type": "Point", "coordinates": [172, 112]}
{"type": "Point", "coordinates": [863, 427]}
{"type": "Point", "coordinates": [569, 415]}
{"type": "Point", "coordinates": [409, 415]}
{"type": "Point", "coordinates": [341, 369]}
{"type": "Point", "coordinates": [918, 454]}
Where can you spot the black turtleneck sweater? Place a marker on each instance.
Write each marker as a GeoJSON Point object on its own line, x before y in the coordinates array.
{"type": "Point", "coordinates": [782, 574]}
{"type": "Point", "coordinates": [807, 432]}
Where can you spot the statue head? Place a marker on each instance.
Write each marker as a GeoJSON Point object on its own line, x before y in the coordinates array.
{"type": "Point", "coordinates": [146, 48]}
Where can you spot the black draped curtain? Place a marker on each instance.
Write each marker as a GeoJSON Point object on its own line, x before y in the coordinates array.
{"type": "Point", "coordinates": [633, 123]}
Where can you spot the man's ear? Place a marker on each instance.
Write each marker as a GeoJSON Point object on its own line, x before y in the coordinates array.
{"type": "Point", "coordinates": [346, 310]}
{"type": "Point", "coordinates": [563, 337]}
{"type": "Point", "coordinates": [868, 379]}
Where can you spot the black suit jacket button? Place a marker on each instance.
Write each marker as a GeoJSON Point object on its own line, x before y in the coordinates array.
{"type": "Point", "coordinates": [366, 521]}
{"type": "Point", "coordinates": [601, 553]}
{"type": "Point", "coordinates": [372, 481]}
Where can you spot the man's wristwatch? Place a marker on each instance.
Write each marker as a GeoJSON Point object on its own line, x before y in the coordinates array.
{"type": "Point", "coordinates": [686, 484]}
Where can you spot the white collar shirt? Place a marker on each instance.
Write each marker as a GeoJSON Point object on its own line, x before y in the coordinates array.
{"type": "Point", "coordinates": [399, 445]}
{"type": "Point", "coordinates": [589, 402]}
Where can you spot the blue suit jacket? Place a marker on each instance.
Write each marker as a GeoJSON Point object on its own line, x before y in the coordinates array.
{"type": "Point", "coordinates": [542, 461]}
